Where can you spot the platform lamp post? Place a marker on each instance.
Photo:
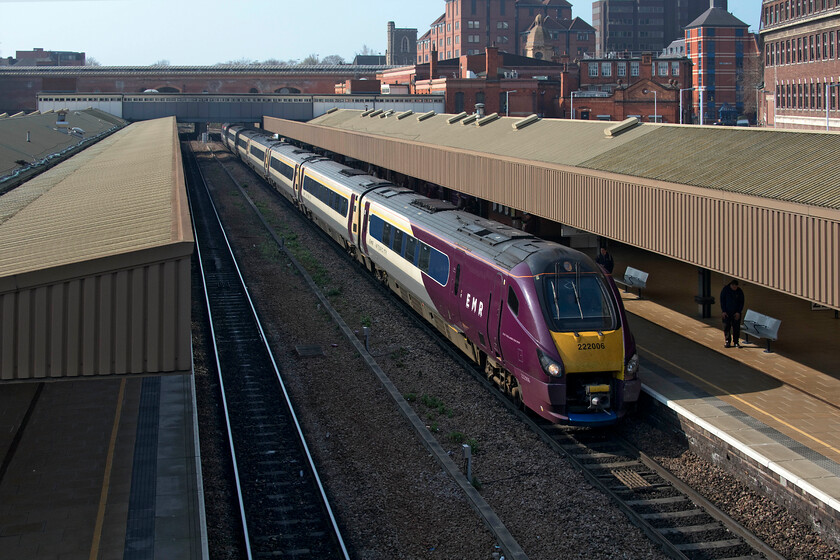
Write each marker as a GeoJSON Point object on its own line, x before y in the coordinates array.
{"type": "Point", "coordinates": [681, 101]}
{"type": "Point", "coordinates": [827, 104]}
{"type": "Point", "coordinates": [573, 103]}
{"type": "Point", "coordinates": [507, 101]}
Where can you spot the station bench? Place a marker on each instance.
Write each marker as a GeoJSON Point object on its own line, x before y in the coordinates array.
{"type": "Point", "coordinates": [760, 326]}
{"type": "Point", "coordinates": [633, 278]}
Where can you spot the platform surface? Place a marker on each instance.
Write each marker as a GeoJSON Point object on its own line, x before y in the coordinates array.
{"type": "Point", "coordinates": [783, 414]}
{"type": "Point", "coordinates": [103, 469]}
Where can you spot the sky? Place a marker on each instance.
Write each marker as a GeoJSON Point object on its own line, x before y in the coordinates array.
{"type": "Point", "coordinates": [192, 32]}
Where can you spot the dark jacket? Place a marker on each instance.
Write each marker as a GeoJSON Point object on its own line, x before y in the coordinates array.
{"type": "Point", "coordinates": [731, 301]}
{"type": "Point", "coordinates": [606, 261]}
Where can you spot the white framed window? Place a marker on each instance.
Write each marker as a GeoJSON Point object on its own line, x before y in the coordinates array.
{"type": "Point", "coordinates": [593, 69]}
{"type": "Point", "coordinates": [606, 69]}
{"type": "Point", "coordinates": [502, 25]}
{"type": "Point", "coordinates": [675, 68]}
{"type": "Point", "coordinates": [663, 68]}
{"type": "Point", "coordinates": [634, 68]}
{"type": "Point", "coordinates": [621, 69]}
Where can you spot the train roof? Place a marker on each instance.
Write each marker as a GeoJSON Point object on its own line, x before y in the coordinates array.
{"type": "Point", "coordinates": [500, 244]}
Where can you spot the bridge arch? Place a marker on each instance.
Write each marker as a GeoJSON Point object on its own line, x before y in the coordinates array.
{"type": "Point", "coordinates": [287, 90]}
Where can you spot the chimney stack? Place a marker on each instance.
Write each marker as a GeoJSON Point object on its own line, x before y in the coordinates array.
{"type": "Point", "coordinates": [433, 65]}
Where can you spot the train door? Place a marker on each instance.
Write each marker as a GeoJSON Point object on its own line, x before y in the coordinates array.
{"type": "Point", "coordinates": [364, 226]}
{"type": "Point", "coordinates": [297, 182]}
{"type": "Point", "coordinates": [494, 317]}
{"type": "Point", "coordinates": [352, 226]}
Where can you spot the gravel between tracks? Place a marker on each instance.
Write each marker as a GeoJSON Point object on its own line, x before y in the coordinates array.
{"type": "Point", "coordinates": [391, 498]}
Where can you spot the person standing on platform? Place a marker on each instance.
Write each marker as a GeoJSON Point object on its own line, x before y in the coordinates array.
{"type": "Point", "coordinates": [605, 260]}
{"type": "Point", "coordinates": [732, 305]}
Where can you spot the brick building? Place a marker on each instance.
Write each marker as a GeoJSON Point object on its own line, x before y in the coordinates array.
{"type": "Point", "coordinates": [801, 63]}
{"type": "Point", "coordinates": [401, 46]}
{"type": "Point", "coordinates": [505, 83]}
{"type": "Point", "coordinates": [617, 88]}
{"type": "Point", "coordinates": [468, 26]}
{"type": "Point", "coordinates": [725, 65]}
{"type": "Point", "coordinates": [548, 38]}
{"type": "Point", "coordinates": [40, 57]}
{"type": "Point", "coordinates": [643, 25]}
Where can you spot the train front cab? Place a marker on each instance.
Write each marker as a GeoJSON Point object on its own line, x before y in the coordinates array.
{"type": "Point", "coordinates": [596, 376]}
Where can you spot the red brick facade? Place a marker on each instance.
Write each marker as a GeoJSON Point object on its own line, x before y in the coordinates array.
{"type": "Point", "coordinates": [468, 26]}
{"type": "Point", "coordinates": [725, 65]}
{"type": "Point", "coordinates": [802, 61]}
{"type": "Point", "coordinates": [643, 87]}
{"type": "Point", "coordinates": [19, 88]}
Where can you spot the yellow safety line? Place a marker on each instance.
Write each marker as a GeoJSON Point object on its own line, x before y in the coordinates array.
{"type": "Point", "coordinates": [744, 402]}
{"type": "Point", "coordinates": [106, 483]}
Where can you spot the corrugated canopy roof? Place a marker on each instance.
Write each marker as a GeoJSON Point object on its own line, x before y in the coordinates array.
{"type": "Point", "coordinates": [45, 137]}
{"type": "Point", "coordinates": [791, 166]}
{"type": "Point", "coordinates": [122, 195]}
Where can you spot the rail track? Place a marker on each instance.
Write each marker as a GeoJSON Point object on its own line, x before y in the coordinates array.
{"type": "Point", "coordinates": [685, 525]}
{"type": "Point", "coordinates": [284, 510]}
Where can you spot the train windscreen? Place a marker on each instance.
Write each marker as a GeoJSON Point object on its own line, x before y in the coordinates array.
{"type": "Point", "coordinates": [576, 300]}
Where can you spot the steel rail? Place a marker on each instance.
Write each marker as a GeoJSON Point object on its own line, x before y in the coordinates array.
{"type": "Point", "coordinates": [276, 370]}
{"type": "Point", "coordinates": [646, 527]}
{"type": "Point", "coordinates": [506, 541]}
{"type": "Point", "coordinates": [242, 516]}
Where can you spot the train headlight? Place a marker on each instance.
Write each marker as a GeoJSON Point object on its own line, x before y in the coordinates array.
{"type": "Point", "coordinates": [631, 370]}
{"type": "Point", "coordinates": [550, 366]}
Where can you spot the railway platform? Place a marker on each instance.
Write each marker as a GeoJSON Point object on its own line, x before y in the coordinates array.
{"type": "Point", "coordinates": [771, 421]}
{"type": "Point", "coordinates": [101, 469]}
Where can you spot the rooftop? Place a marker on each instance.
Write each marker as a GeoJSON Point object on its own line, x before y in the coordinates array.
{"type": "Point", "coordinates": [752, 161]}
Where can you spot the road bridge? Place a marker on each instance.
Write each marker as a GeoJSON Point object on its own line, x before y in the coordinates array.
{"type": "Point", "coordinates": [220, 108]}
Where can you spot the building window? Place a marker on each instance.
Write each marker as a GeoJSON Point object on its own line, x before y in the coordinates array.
{"type": "Point", "coordinates": [459, 101]}
{"type": "Point", "coordinates": [663, 68]}
{"type": "Point", "coordinates": [621, 69]}
{"type": "Point", "coordinates": [593, 69]}
{"type": "Point", "coordinates": [404, 47]}
{"type": "Point", "coordinates": [675, 68]}
{"type": "Point", "coordinates": [606, 68]}
{"type": "Point", "coordinates": [502, 39]}
{"type": "Point", "coordinates": [634, 68]}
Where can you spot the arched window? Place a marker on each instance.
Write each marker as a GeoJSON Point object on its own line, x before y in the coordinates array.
{"type": "Point", "coordinates": [405, 45]}
{"type": "Point", "coordinates": [253, 90]}
{"type": "Point", "coordinates": [287, 90]}
{"type": "Point", "coordinates": [168, 89]}
{"type": "Point", "coordinates": [538, 55]}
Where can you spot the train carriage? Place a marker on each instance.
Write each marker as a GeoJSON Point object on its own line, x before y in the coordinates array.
{"type": "Point", "coordinates": [544, 320]}
{"type": "Point", "coordinates": [284, 163]}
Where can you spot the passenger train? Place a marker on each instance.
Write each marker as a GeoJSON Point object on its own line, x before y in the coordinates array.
{"type": "Point", "coordinates": [546, 322]}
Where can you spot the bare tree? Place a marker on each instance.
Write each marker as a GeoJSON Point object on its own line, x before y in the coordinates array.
{"type": "Point", "coordinates": [90, 61]}
{"type": "Point", "coordinates": [161, 62]}
{"type": "Point", "coordinates": [366, 51]}
{"type": "Point", "coordinates": [332, 59]}
{"type": "Point", "coordinates": [310, 60]}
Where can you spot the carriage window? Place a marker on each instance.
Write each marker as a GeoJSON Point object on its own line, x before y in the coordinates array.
{"type": "Point", "coordinates": [423, 260]}
{"type": "Point", "coordinates": [410, 246]}
{"type": "Point", "coordinates": [396, 246]}
{"type": "Point", "coordinates": [386, 234]}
